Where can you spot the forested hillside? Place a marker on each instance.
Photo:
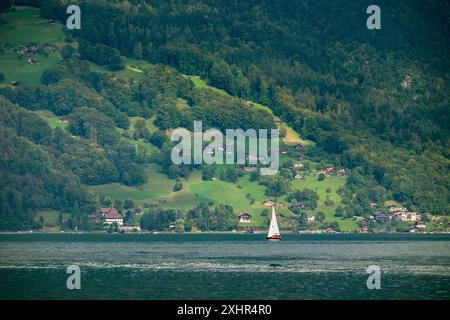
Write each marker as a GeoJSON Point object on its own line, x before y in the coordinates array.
{"type": "Point", "coordinates": [377, 101]}
{"type": "Point", "coordinates": [94, 110]}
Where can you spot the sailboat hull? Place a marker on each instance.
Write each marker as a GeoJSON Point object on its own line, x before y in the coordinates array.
{"type": "Point", "coordinates": [273, 238]}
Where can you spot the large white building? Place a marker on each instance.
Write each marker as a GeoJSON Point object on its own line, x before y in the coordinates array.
{"type": "Point", "coordinates": [111, 215]}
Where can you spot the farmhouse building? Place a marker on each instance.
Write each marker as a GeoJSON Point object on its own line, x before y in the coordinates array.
{"type": "Point", "coordinates": [245, 217]}
{"type": "Point", "coordinates": [111, 215]}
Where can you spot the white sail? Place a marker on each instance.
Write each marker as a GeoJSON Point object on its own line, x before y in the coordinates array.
{"type": "Point", "coordinates": [273, 229]}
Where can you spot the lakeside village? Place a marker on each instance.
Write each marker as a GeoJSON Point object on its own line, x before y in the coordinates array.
{"type": "Point", "coordinates": [115, 220]}
{"type": "Point", "coordinates": [392, 217]}
{"type": "Point", "coordinates": [126, 217]}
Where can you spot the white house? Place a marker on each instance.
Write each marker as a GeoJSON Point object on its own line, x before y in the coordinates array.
{"type": "Point", "coordinates": [111, 215]}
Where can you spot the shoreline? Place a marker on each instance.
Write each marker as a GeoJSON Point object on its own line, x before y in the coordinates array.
{"type": "Point", "coordinates": [206, 232]}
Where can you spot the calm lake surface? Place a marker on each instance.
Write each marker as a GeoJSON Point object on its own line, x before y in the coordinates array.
{"type": "Point", "coordinates": [224, 266]}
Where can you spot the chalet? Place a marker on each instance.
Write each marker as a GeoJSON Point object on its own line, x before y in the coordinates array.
{"type": "Point", "coordinates": [298, 147]}
{"type": "Point", "coordinates": [406, 82]}
{"type": "Point", "coordinates": [382, 217]}
{"type": "Point", "coordinates": [245, 217]}
{"type": "Point", "coordinates": [364, 229]}
{"type": "Point", "coordinates": [328, 170]}
{"type": "Point", "coordinates": [280, 205]}
{"type": "Point", "coordinates": [64, 119]}
{"type": "Point", "coordinates": [395, 209]}
{"type": "Point", "coordinates": [137, 211]}
{"type": "Point", "coordinates": [406, 216]}
{"type": "Point", "coordinates": [298, 165]}
{"type": "Point", "coordinates": [299, 177]}
{"type": "Point", "coordinates": [268, 203]}
{"type": "Point", "coordinates": [280, 216]}
{"type": "Point", "coordinates": [311, 219]}
{"type": "Point", "coordinates": [420, 225]}
{"type": "Point", "coordinates": [373, 205]}
{"type": "Point", "coordinates": [32, 61]}
{"type": "Point", "coordinates": [330, 230]}
{"type": "Point", "coordinates": [32, 49]}
{"type": "Point", "coordinates": [111, 215]}
{"type": "Point", "coordinates": [297, 205]}
{"type": "Point", "coordinates": [48, 46]}
{"type": "Point", "coordinates": [413, 229]}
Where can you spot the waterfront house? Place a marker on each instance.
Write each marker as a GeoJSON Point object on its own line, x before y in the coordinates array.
{"type": "Point", "coordinates": [111, 215]}
{"type": "Point", "coordinates": [364, 229]}
{"type": "Point", "coordinates": [420, 225]}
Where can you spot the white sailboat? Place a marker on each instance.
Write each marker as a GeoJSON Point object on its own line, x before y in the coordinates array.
{"type": "Point", "coordinates": [274, 232]}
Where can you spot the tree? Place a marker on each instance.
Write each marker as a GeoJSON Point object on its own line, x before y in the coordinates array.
{"type": "Point", "coordinates": [75, 215]}
{"type": "Point", "coordinates": [107, 201]}
{"type": "Point", "coordinates": [117, 204]}
{"type": "Point", "coordinates": [128, 203]}
{"type": "Point", "coordinates": [60, 220]}
{"type": "Point", "coordinates": [306, 196]}
{"type": "Point", "coordinates": [320, 216]}
{"type": "Point", "coordinates": [113, 227]}
{"type": "Point", "coordinates": [208, 172]}
{"type": "Point", "coordinates": [67, 51]}
{"type": "Point", "coordinates": [6, 5]}
{"type": "Point", "coordinates": [303, 221]}
{"type": "Point", "coordinates": [178, 186]}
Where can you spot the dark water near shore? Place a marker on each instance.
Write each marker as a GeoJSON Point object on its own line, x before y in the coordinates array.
{"type": "Point", "coordinates": [224, 266]}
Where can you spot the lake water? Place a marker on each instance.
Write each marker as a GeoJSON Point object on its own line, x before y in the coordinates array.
{"type": "Point", "coordinates": [224, 266]}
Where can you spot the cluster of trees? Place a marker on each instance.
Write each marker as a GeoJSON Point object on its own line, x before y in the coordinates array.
{"type": "Point", "coordinates": [307, 197]}
{"type": "Point", "coordinates": [201, 218]}
{"type": "Point", "coordinates": [335, 82]}
{"type": "Point", "coordinates": [101, 55]}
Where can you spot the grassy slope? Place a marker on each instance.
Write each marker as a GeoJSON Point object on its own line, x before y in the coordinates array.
{"type": "Point", "coordinates": [52, 120]}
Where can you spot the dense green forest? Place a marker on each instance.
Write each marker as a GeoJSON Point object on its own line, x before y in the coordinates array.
{"type": "Point", "coordinates": [375, 102]}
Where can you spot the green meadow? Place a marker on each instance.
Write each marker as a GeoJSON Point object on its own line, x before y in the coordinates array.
{"type": "Point", "coordinates": [52, 120]}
